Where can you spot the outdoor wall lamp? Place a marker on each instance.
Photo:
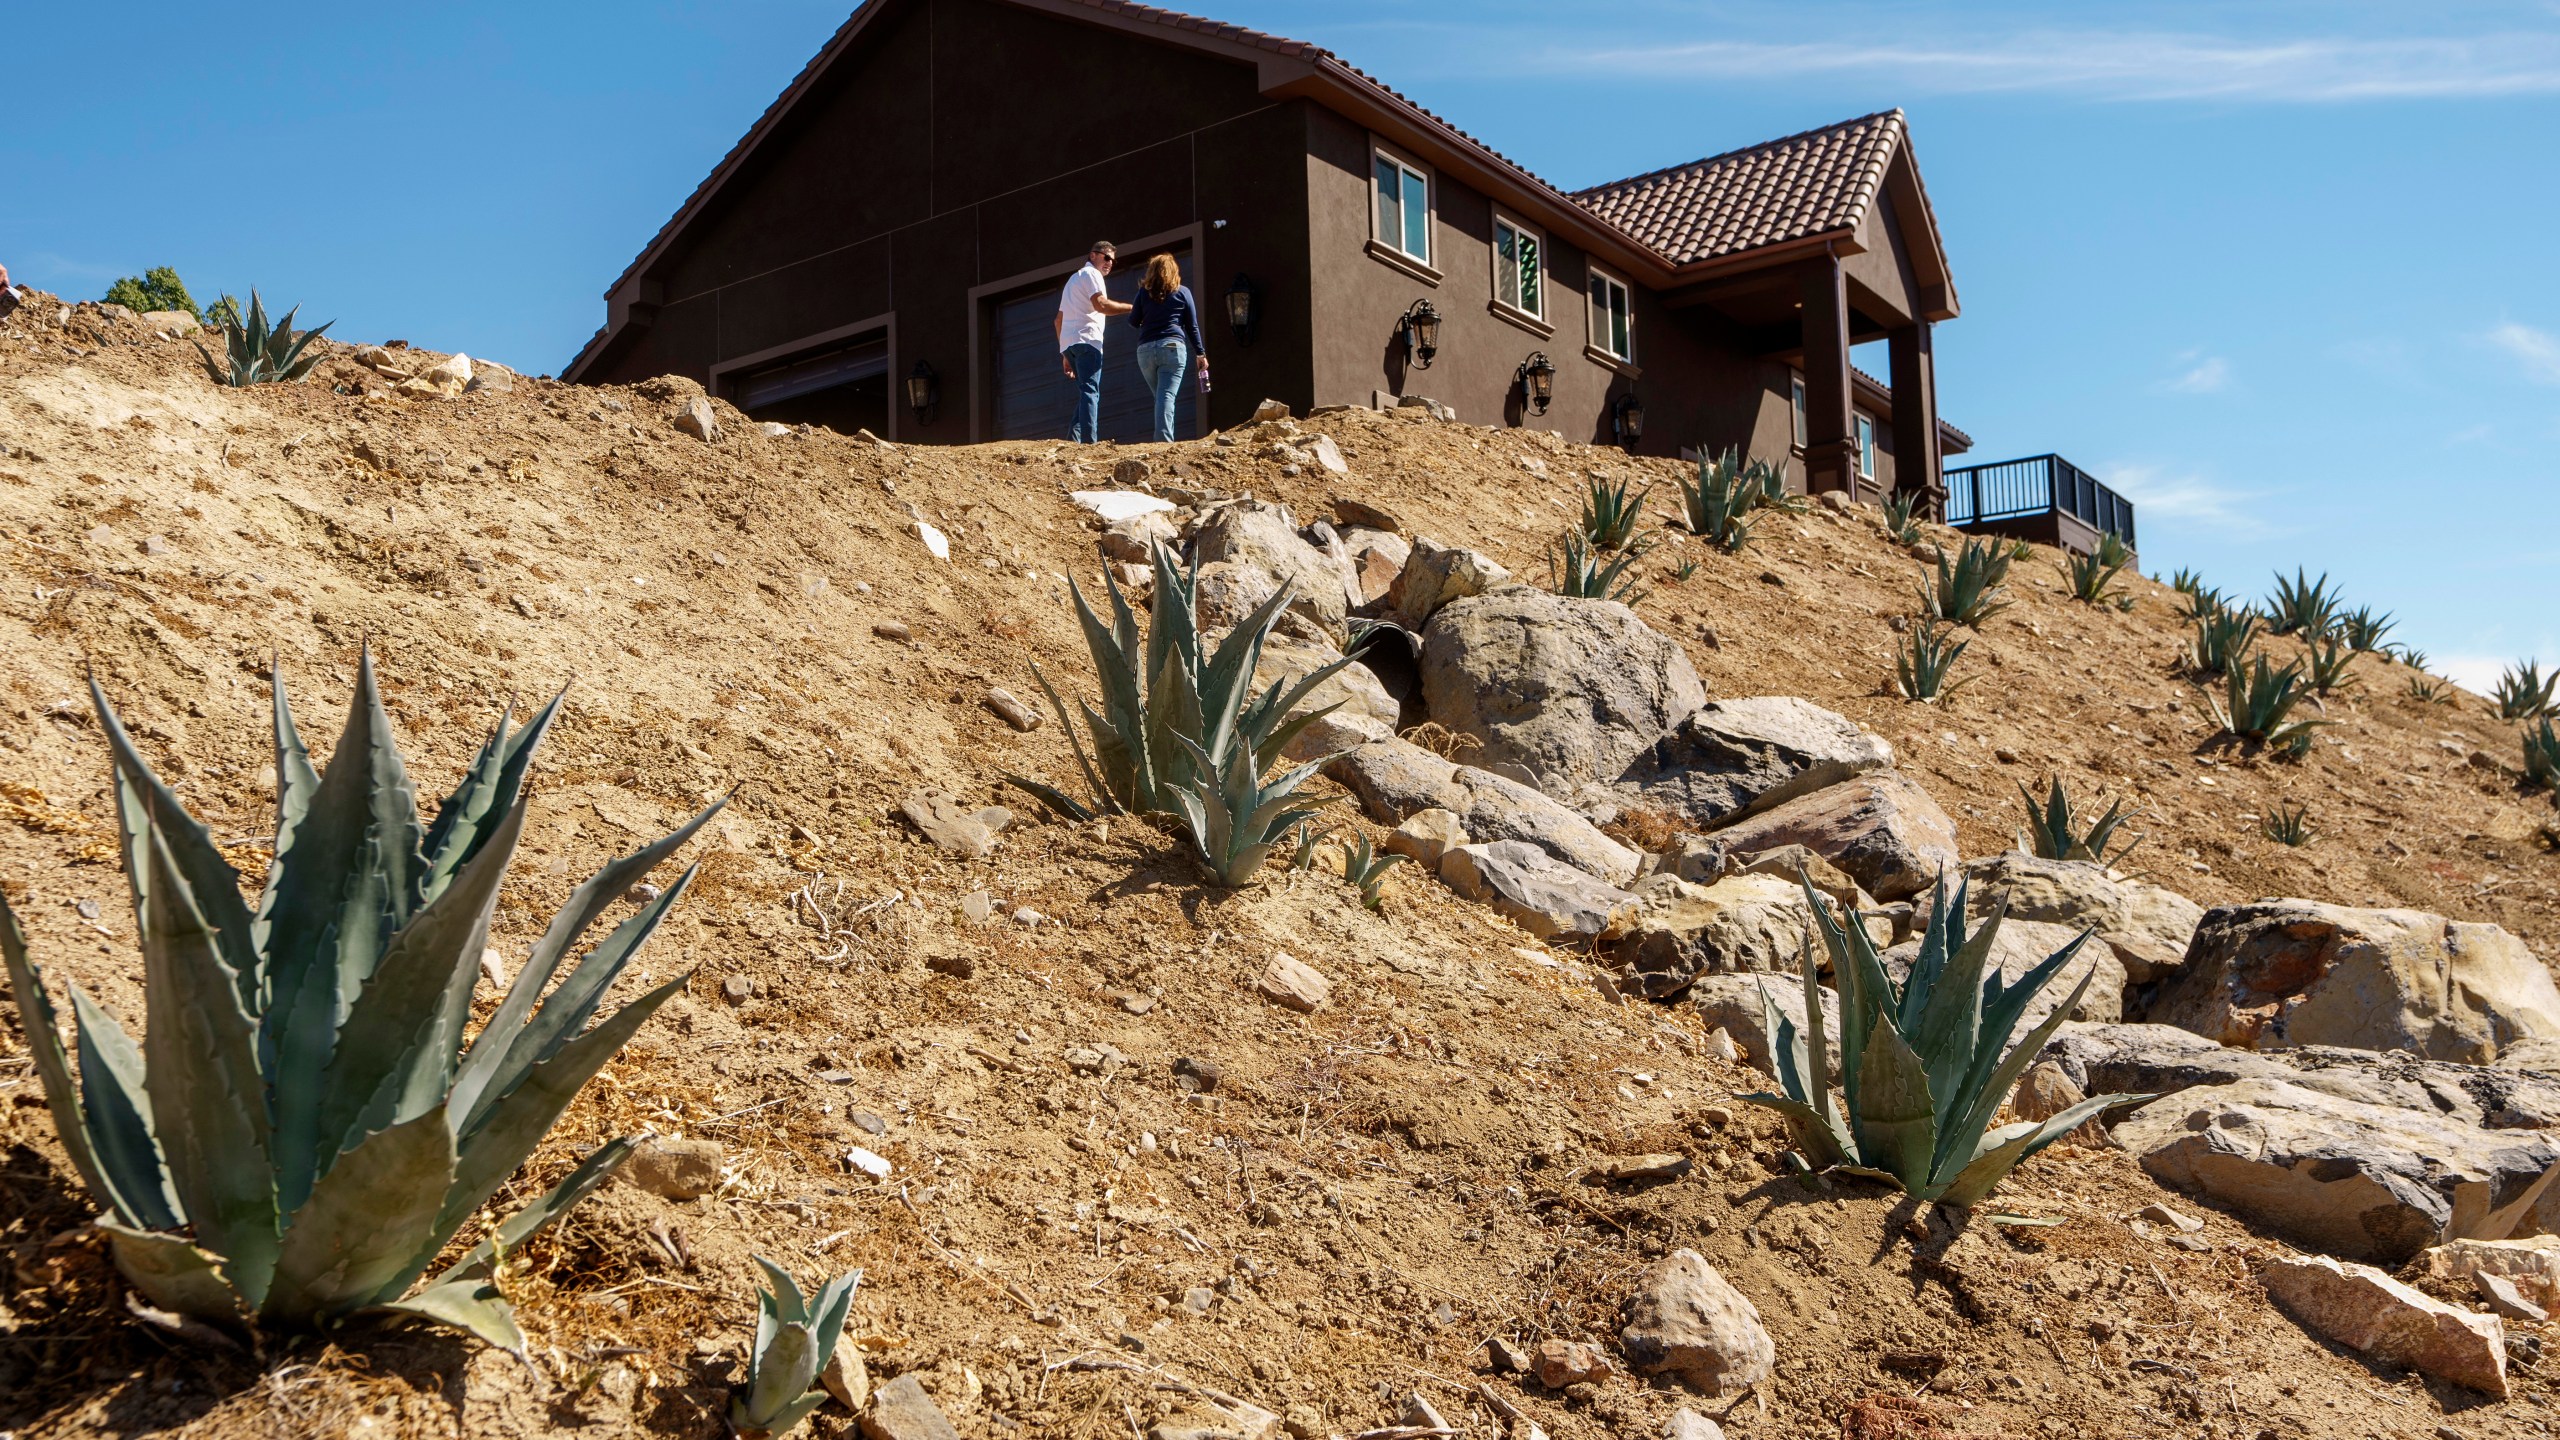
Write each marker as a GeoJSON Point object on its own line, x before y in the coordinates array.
{"type": "Point", "coordinates": [1421, 328]}
{"type": "Point", "coordinates": [1627, 418]}
{"type": "Point", "coordinates": [923, 389]}
{"type": "Point", "coordinates": [1243, 297]}
{"type": "Point", "coordinates": [1537, 378]}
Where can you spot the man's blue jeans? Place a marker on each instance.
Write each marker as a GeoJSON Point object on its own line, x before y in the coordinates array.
{"type": "Point", "coordinates": [1086, 427]}
{"type": "Point", "coordinates": [1160, 364]}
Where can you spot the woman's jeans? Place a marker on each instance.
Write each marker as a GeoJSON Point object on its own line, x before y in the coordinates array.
{"type": "Point", "coordinates": [1161, 364]}
{"type": "Point", "coordinates": [1086, 426]}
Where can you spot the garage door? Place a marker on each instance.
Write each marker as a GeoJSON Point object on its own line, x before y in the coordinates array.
{"type": "Point", "coordinates": [1034, 400]}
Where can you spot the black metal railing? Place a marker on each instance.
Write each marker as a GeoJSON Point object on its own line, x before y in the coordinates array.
{"type": "Point", "coordinates": [2037, 485]}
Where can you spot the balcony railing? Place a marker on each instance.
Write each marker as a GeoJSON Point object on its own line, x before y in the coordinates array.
{"type": "Point", "coordinates": [2038, 485]}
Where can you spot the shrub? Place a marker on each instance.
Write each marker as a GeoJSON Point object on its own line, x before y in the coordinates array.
{"type": "Point", "coordinates": [1924, 1066]}
{"type": "Point", "coordinates": [1968, 589]}
{"type": "Point", "coordinates": [1610, 515]}
{"type": "Point", "coordinates": [2261, 698]}
{"type": "Point", "coordinates": [1577, 574]}
{"type": "Point", "coordinates": [2302, 607]}
{"type": "Point", "coordinates": [2223, 640]}
{"type": "Point", "coordinates": [2053, 832]}
{"type": "Point", "coordinates": [1366, 868]}
{"type": "Point", "coordinates": [1924, 661]}
{"type": "Point", "coordinates": [307, 1128]}
{"type": "Point", "coordinates": [2088, 576]}
{"type": "Point", "coordinates": [260, 355]}
{"type": "Point", "coordinates": [159, 288]}
{"type": "Point", "coordinates": [2542, 756]}
{"type": "Point", "coordinates": [795, 1339]}
{"type": "Point", "coordinates": [2288, 825]}
{"type": "Point", "coordinates": [2524, 692]}
{"type": "Point", "coordinates": [2363, 630]}
{"type": "Point", "coordinates": [223, 312]}
{"type": "Point", "coordinates": [1718, 507]}
{"type": "Point", "coordinates": [2327, 665]}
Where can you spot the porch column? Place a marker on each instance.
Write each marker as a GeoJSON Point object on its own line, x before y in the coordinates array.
{"type": "Point", "coordinates": [1830, 448]}
{"type": "Point", "coordinates": [1915, 416]}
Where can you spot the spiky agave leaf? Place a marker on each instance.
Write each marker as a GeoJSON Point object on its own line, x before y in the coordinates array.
{"type": "Point", "coordinates": [1967, 589]}
{"type": "Point", "coordinates": [2302, 606]}
{"type": "Point", "coordinates": [2261, 698]}
{"type": "Point", "coordinates": [795, 1338]}
{"type": "Point", "coordinates": [2053, 830]}
{"type": "Point", "coordinates": [1718, 507]}
{"type": "Point", "coordinates": [1925, 660]}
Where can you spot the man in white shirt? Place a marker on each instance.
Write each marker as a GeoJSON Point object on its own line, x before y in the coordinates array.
{"type": "Point", "coordinates": [1081, 311]}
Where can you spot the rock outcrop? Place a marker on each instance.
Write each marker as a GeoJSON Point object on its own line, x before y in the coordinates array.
{"type": "Point", "coordinates": [1731, 758]}
{"type": "Point", "coordinates": [2148, 928]}
{"type": "Point", "coordinates": [1881, 828]}
{"type": "Point", "coordinates": [1394, 779]}
{"type": "Point", "coordinates": [1561, 693]}
{"type": "Point", "coordinates": [1536, 891]}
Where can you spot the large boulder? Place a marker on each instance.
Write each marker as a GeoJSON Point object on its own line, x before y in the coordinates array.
{"type": "Point", "coordinates": [1535, 891]}
{"type": "Point", "coordinates": [1881, 828]}
{"type": "Point", "coordinates": [1740, 924]}
{"type": "Point", "coordinates": [1435, 574]}
{"type": "Point", "coordinates": [1363, 710]}
{"type": "Point", "coordinates": [1561, 693]}
{"type": "Point", "coordinates": [2148, 927]}
{"type": "Point", "coordinates": [1731, 758]}
{"type": "Point", "coordinates": [2163, 1059]}
{"type": "Point", "coordinates": [2366, 1182]}
{"type": "Point", "coordinates": [2294, 972]}
{"type": "Point", "coordinates": [1393, 779]}
{"type": "Point", "coordinates": [1732, 1003]}
{"type": "Point", "coordinates": [2021, 946]}
{"type": "Point", "coordinates": [1260, 541]}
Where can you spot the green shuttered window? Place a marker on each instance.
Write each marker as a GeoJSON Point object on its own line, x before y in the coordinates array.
{"type": "Point", "coordinates": [1515, 269]}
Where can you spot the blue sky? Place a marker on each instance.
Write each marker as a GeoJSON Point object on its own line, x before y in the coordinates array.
{"type": "Point", "coordinates": [2283, 272]}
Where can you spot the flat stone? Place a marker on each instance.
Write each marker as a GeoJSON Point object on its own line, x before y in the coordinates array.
{"type": "Point", "coordinates": [1435, 575]}
{"type": "Point", "coordinates": [1293, 983]}
{"type": "Point", "coordinates": [1535, 891]}
{"type": "Point", "coordinates": [970, 834]}
{"type": "Point", "coordinates": [1561, 693]}
{"type": "Point", "coordinates": [1756, 924]}
{"type": "Point", "coordinates": [1377, 557]}
{"type": "Point", "coordinates": [1570, 1362]}
{"type": "Point", "coordinates": [2159, 1214]}
{"type": "Point", "coordinates": [1665, 1166]}
{"type": "Point", "coordinates": [1880, 828]}
{"type": "Point", "coordinates": [2163, 1059]}
{"type": "Point", "coordinates": [2148, 927]}
{"type": "Point", "coordinates": [1731, 758]}
{"type": "Point", "coordinates": [2021, 946]}
{"type": "Point", "coordinates": [1350, 513]}
{"type": "Point", "coordinates": [1394, 779]}
{"type": "Point", "coordinates": [2295, 972]}
{"type": "Point", "coordinates": [675, 1169]}
{"type": "Point", "coordinates": [1117, 505]}
{"type": "Point", "coordinates": [1685, 1319]}
{"type": "Point", "coordinates": [2530, 1265]}
{"type": "Point", "coordinates": [2366, 1182]}
{"type": "Point", "coordinates": [2507, 1301]}
{"type": "Point", "coordinates": [1328, 455]}
{"type": "Point", "coordinates": [2368, 1311]}
{"type": "Point", "coordinates": [901, 1410]}
{"type": "Point", "coordinates": [1426, 835]}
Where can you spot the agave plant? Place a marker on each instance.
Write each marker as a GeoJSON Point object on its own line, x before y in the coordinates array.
{"type": "Point", "coordinates": [2428, 690]}
{"type": "Point", "coordinates": [2302, 606]}
{"type": "Point", "coordinates": [2524, 692]}
{"type": "Point", "coordinates": [2053, 830]}
{"type": "Point", "coordinates": [1610, 515]}
{"type": "Point", "coordinates": [2288, 825]}
{"type": "Point", "coordinates": [1968, 589]}
{"type": "Point", "coordinates": [1902, 517]}
{"type": "Point", "coordinates": [303, 1128]}
{"type": "Point", "coordinates": [2223, 640]}
{"type": "Point", "coordinates": [1924, 1065]}
{"type": "Point", "coordinates": [2205, 600]}
{"type": "Point", "coordinates": [2363, 630]}
{"type": "Point", "coordinates": [1302, 855]}
{"type": "Point", "coordinates": [2089, 576]}
{"type": "Point", "coordinates": [2327, 665]}
{"type": "Point", "coordinates": [1925, 659]}
{"type": "Point", "coordinates": [2186, 581]}
{"type": "Point", "coordinates": [795, 1338]}
{"type": "Point", "coordinates": [1577, 574]}
{"type": "Point", "coordinates": [1235, 817]}
{"type": "Point", "coordinates": [1158, 691]}
{"type": "Point", "coordinates": [2261, 698]}
{"type": "Point", "coordinates": [2542, 756]}
{"type": "Point", "coordinates": [1767, 486]}
{"type": "Point", "coordinates": [2412, 656]}
{"type": "Point", "coordinates": [1718, 507]}
{"type": "Point", "coordinates": [1366, 868]}
{"type": "Point", "coordinates": [262, 355]}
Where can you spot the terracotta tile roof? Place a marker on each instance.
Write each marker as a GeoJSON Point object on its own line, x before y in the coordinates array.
{"type": "Point", "coordinates": [1765, 194]}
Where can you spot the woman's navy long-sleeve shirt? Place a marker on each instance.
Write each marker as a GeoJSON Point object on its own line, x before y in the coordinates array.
{"type": "Point", "coordinates": [1172, 318]}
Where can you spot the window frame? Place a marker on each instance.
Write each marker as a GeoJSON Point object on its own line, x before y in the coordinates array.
{"type": "Point", "coordinates": [1408, 171]}
{"type": "Point", "coordinates": [1594, 337]}
{"type": "Point", "coordinates": [1536, 266]}
{"type": "Point", "coordinates": [1797, 430]}
{"type": "Point", "coordinates": [1862, 428]}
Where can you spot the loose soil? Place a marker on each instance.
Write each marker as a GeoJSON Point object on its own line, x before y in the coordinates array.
{"type": "Point", "coordinates": [1368, 1193]}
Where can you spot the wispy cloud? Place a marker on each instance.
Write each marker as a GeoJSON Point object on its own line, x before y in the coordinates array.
{"type": "Point", "coordinates": [2159, 493]}
{"type": "Point", "coordinates": [2203, 377]}
{"type": "Point", "coordinates": [2537, 352]}
{"type": "Point", "coordinates": [2137, 65]}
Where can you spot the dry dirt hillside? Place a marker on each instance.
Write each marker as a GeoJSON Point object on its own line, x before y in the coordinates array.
{"type": "Point", "coordinates": [1073, 1239]}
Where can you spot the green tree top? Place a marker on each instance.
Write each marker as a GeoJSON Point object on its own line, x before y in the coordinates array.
{"type": "Point", "coordinates": [158, 289]}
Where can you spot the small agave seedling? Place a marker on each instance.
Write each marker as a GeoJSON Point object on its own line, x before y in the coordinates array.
{"type": "Point", "coordinates": [2053, 831]}
{"type": "Point", "coordinates": [1924, 1065]}
{"type": "Point", "coordinates": [795, 1338]}
{"type": "Point", "coordinates": [1364, 867]}
{"type": "Point", "coordinates": [1968, 588]}
{"type": "Point", "coordinates": [1717, 509]}
{"type": "Point", "coordinates": [303, 1128]}
{"type": "Point", "coordinates": [1925, 660]}
{"type": "Point", "coordinates": [260, 354]}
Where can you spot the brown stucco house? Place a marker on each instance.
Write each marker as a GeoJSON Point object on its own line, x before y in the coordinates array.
{"type": "Point", "coordinates": [896, 226]}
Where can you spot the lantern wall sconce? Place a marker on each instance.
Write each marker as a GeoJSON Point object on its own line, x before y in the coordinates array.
{"type": "Point", "coordinates": [1537, 380]}
{"type": "Point", "coordinates": [1420, 327]}
{"type": "Point", "coordinates": [1244, 304]}
{"type": "Point", "coordinates": [924, 390]}
{"type": "Point", "coordinates": [1626, 417]}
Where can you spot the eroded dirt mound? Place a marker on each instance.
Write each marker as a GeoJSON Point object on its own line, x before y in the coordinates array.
{"type": "Point", "coordinates": [1070, 1234]}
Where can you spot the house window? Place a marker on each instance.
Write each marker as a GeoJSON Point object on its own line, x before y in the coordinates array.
{"type": "Point", "coordinates": [1515, 269]}
{"type": "Point", "coordinates": [1404, 208]}
{"type": "Point", "coordinates": [1612, 328]}
{"type": "Point", "coordinates": [1795, 389]}
{"type": "Point", "coordinates": [1866, 429]}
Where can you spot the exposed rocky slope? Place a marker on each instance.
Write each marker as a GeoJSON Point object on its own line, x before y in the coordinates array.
{"type": "Point", "coordinates": [1126, 1186]}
